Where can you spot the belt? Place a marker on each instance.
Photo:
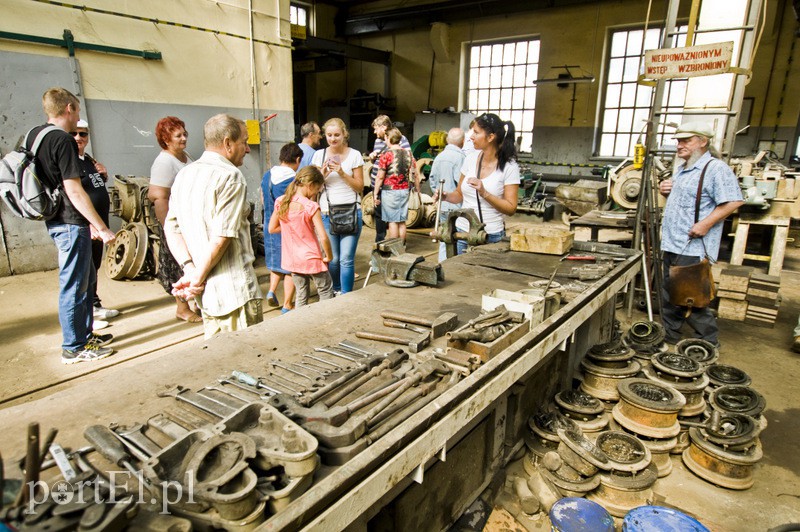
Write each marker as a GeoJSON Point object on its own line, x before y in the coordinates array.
{"type": "Point", "coordinates": [389, 187]}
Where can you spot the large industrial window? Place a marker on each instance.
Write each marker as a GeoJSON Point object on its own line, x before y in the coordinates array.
{"type": "Point", "coordinates": [500, 81]}
{"type": "Point", "coordinates": [298, 18]}
{"type": "Point", "coordinates": [626, 106]}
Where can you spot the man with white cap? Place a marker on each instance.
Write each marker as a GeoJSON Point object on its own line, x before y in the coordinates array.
{"type": "Point", "coordinates": [684, 242]}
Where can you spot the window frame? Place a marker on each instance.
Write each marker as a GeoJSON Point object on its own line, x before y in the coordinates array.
{"type": "Point", "coordinates": [670, 87]}
{"type": "Point", "coordinates": [509, 112]}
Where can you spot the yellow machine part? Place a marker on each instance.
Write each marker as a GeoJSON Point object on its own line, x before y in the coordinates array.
{"type": "Point", "coordinates": [438, 139]}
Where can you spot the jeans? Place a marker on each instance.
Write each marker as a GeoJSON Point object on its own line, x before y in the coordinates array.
{"type": "Point", "coordinates": [702, 320]}
{"type": "Point", "coordinates": [461, 245]}
{"type": "Point", "coordinates": [75, 273]}
{"type": "Point", "coordinates": [97, 261]}
{"type": "Point", "coordinates": [380, 225]}
{"type": "Point", "coordinates": [342, 264]}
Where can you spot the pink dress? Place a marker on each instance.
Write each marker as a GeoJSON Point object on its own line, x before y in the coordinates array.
{"type": "Point", "coordinates": [300, 251]}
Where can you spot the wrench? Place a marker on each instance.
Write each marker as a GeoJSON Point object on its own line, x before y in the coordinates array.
{"type": "Point", "coordinates": [249, 389]}
{"type": "Point", "coordinates": [337, 366]}
{"type": "Point", "coordinates": [135, 435]}
{"type": "Point", "coordinates": [356, 348]}
{"type": "Point", "coordinates": [273, 376]}
{"type": "Point", "coordinates": [307, 367]}
{"type": "Point", "coordinates": [336, 354]}
{"type": "Point", "coordinates": [316, 379]}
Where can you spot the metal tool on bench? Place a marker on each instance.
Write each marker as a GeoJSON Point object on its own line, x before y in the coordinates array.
{"type": "Point", "coordinates": [107, 444]}
{"type": "Point", "coordinates": [248, 379]}
{"type": "Point", "coordinates": [488, 327]}
{"type": "Point", "coordinates": [401, 269]}
{"type": "Point", "coordinates": [457, 357]}
{"type": "Point", "coordinates": [448, 233]}
{"type": "Point", "coordinates": [415, 345]}
{"type": "Point", "coordinates": [135, 435]}
{"type": "Point", "coordinates": [438, 326]}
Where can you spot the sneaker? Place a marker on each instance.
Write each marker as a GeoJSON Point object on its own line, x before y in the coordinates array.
{"type": "Point", "coordinates": [100, 340]}
{"type": "Point", "coordinates": [284, 310]}
{"type": "Point", "coordinates": [102, 313]}
{"type": "Point", "coordinates": [99, 324]}
{"type": "Point", "coordinates": [272, 299]}
{"type": "Point", "coordinates": [87, 353]}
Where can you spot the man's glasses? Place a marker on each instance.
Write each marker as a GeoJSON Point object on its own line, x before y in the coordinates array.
{"type": "Point", "coordinates": [82, 134]}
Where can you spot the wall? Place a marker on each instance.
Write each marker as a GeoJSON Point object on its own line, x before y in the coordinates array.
{"type": "Point", "coordinates": [201, 73]}
{"type": "Point", "coordinates": [577, 36]}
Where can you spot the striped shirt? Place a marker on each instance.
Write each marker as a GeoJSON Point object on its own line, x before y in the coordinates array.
{"type": "Point", "coordinates": [209, 200]}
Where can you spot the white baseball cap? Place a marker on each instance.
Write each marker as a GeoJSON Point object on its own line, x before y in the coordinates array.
{"type": "Point", "coordinates": [694, 128]}
{"type": "Point", "coordinates": [82, 123]}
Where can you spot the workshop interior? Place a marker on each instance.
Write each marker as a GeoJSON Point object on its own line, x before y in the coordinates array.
{"type": "Point", "coordinates": [571, 374]}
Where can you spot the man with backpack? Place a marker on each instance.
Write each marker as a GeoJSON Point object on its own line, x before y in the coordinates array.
{"type": "Point", "coordinates": [72, 227]}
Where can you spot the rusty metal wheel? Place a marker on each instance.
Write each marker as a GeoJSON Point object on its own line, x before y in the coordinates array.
{"type": "Point", "coordinates": [139, 231]}
{"type": "Point", "coordinates": [120, 255]}
{"type": "Point", "coordinates": [368, 210]}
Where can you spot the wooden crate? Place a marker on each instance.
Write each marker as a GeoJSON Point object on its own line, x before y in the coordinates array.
{"type": "Point", "coordinates": [488, 351]}
{"type": "Point", "coordinates": [731, 309]}
{"type": "Point", "coordinates": [542, 239]}
{"type": "Point", "coordinates": [531, 305]}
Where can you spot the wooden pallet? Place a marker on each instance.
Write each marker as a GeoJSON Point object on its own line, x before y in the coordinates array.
{"type": "Point", "coordinates": [778, 249]}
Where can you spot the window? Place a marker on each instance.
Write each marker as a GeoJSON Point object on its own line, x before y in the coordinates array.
{"type": "Point", "coordinates": [500, 81]}
{"type": "Point", "coordinates": [626, 106]}
{"type": "Point", "coordinates": [298, 18]}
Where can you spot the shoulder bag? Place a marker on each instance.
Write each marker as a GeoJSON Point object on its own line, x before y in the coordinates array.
{"type": "Point", "coordinates": [693, 286]}
{"type": "Point", "coordinates": [343, 217]}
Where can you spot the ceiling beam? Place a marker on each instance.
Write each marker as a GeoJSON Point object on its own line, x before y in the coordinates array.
{"type": "Point", "coordinates": [424, 15]}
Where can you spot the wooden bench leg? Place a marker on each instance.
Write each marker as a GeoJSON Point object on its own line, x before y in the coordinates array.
{"type": "Point", "coordinates": [739, 243]}
{"type": "Point", "coordinates": [778, 250]}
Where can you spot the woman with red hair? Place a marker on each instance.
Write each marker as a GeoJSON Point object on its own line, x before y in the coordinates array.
{"type": "Point", "coordinates": [171, 135]}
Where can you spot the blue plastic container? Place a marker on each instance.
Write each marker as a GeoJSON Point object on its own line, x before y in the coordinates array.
{"type": "Point", "coordinates": [652, 518]}
{"type": "Point", "coordinates": [574, 514]}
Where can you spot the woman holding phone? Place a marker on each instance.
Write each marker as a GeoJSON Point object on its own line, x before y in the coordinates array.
{"type": "Point", "coordinates": [489, 178]}
{"type": "Point", "coordinates": [341, 166]}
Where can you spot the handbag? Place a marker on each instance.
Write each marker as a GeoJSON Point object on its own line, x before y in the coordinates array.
{"type": "Point", "coordinates": [344, 217]}
{"type": "Point", "coordinates": [693, 286]}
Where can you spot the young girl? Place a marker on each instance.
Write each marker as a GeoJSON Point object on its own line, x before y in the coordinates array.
{"type": "Point", "coordinates": [297, 217]}
{"type": "Point", "coordinates": [392, 186]}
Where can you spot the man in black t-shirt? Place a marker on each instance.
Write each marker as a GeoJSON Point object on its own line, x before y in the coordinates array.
{"type": "Point", "coordinates": [72, 228]}
{"type": "Point", "coordinates": [93, 178]}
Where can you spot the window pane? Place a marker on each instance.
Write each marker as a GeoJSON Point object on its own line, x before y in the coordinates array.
{"type": "Point", "coordinates": [628, 97]}
{"type": "Point", "coordinates": [501, 79]}
{"type": "Point", "coordinates": [651, 41]}
{"type": "Point", "coordinates": [610, 120]}
{"type": "Point", "coordinates": [519, 76]}
{"type": "Point", "coordinates": [527, 142]}
{"type": "Point", "coordinates": [301, 17]}
{"type": "Point", "coordinates": [612, 95]}
{"type": "Point", "coordinates": [625, 122]}
{"type": "Point", "coordinates": [505, 99]}
{"type": "Point", "coordinates": [634, 48]}
{"type": "Point", "coordinates": [607, 144]}
{"type": "Point", "coordinates": [631, 69]}
{"type": "Point", "coordinates": [619, 42]}
{"type": "Point", "coordinates": [621, 149]}
{"type": "Point", "coordinates": [494, 99]}
{"type": "Point", "coordinates": [643, 96]}
{"type": "Point", "coordinates": [615, 68]}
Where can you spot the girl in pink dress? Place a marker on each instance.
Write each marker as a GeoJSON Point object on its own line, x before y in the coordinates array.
{"type": "Point", "coordinates": [299, 221]}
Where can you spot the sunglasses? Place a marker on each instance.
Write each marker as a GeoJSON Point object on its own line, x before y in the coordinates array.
{"type": "Point", "coordinates": [82, 134]}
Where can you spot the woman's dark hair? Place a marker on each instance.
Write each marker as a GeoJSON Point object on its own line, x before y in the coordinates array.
{"type": "Point", "coordinates": [290, 153]}
{"type": "Point", "coordinates": [504, 135]}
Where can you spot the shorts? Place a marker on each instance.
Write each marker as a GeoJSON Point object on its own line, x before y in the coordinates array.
{"type": "Point", "coordinates": [241, 318]}
{"type": "Point", "coordinates": [394, 205]}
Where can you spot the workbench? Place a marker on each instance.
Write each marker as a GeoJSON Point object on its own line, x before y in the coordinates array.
{"type": "Point", "coordinates": [598, 220]}
{"type": "Point", "coordinates": [424, 473]}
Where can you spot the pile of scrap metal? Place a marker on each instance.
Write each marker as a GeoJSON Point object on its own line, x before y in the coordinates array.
{"type": "Point", "coordinates": [135, 249]}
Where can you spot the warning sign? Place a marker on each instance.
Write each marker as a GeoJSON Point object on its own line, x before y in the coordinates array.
{"type": "Point", "coordinates": [691, 61]}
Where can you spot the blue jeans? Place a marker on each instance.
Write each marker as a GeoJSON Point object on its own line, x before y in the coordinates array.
{"type": "Point", "coordinates": [75, 274]}
{"type": "Point", "coordinates": [461, 245]}
{"type": "Point", "coordinates": [342, 264]}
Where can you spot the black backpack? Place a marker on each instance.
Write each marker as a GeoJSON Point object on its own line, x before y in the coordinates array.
{"type": "Point", "coordinates": [21, 189]}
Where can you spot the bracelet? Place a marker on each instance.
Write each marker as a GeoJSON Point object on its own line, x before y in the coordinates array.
{"type": "Point", "coordinates": [187, 261]}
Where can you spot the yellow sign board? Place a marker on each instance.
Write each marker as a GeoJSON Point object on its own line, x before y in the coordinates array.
{"type": "Point", "coordinates": [253, 132]}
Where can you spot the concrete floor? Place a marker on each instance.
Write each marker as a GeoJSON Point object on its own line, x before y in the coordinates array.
{"type": "Point", "coordinates": [147, 332]}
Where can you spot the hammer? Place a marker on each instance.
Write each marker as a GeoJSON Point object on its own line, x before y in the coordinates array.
{"type": "Point", "coordinates": [439, 325]}
{"type": "Point", "coordinates": [415, 345]}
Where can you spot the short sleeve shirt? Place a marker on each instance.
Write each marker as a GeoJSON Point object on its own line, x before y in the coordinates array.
{"type": "Point", "coordinates": [447, 166]}
{"type": "Point", "coordinates": [495, 184]}
{"type": "Point", "coordinates": [397, 164]}
{"type": "Point", "coordinates": [165, 168]}
{"type": "Point", "coordinates": [57, 159]}
{"type": "Point", "coordinates": [339, 192]}
{"type": "Point", "coordinates": [719, 186]}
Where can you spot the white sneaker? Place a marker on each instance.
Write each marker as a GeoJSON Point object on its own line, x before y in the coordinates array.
{"type": "Point", "coordinates": [102, 313]}
{"type": "Point", "coordinates": [99, 324]}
